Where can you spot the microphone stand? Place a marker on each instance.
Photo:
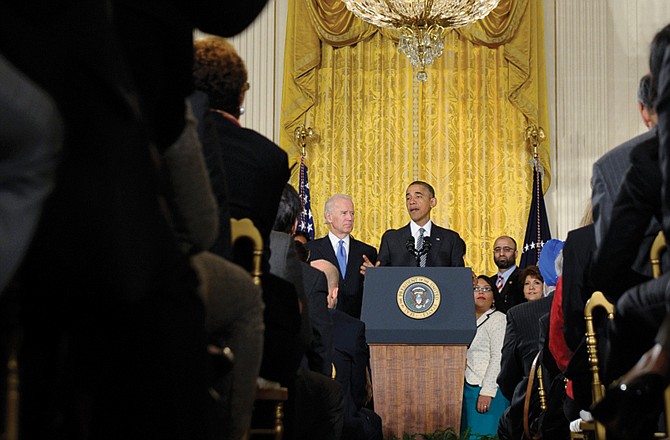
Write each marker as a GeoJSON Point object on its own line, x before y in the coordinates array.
{"type": "Point", "coordinates": [418, 253]}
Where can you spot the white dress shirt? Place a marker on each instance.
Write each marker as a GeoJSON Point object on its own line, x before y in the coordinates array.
{"type": "Point", "coordinates": [483, 355]}
{"type": "Point", "coordinates": [506, 274]}
{"type": "Point", "coordinates": [414, 229]}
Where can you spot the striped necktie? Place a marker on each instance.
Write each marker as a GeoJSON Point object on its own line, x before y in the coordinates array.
{"type": "Point", "coordinates": [500, 284]}
{"type": "Point", "coordinates": [419, 246]}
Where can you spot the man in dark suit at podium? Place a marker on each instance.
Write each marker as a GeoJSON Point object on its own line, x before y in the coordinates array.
{"type": "Point", "coordinates": [343, 251]}
{"type": "Point", "coordinates": [420, 243]}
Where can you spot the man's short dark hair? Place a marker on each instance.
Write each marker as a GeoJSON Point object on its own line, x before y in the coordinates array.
{"type": "Point", "coordinates": [288, 211]}
{"type": "Point", "coordinates": [657, 51]}
{"type": "Point", "coordinates": [426, 185]}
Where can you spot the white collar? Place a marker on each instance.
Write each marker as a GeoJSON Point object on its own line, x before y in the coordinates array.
{"type": "Point", "coordinates": [334, 241]}
{"type": "Point", "coordinates": [414, 228]}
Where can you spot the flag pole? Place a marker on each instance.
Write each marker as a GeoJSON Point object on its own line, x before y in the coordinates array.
{"type": "Point", "coordinates": [537, 229]}
{"type": "Point", "coordinates": [304, 136]}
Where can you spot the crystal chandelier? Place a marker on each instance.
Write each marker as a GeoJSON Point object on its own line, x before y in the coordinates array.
{"type": "Point", "coordinates": [421, 23]}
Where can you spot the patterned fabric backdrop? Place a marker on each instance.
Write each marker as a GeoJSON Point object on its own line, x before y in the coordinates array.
{"type": "Point", "coordinates": [462, 130]}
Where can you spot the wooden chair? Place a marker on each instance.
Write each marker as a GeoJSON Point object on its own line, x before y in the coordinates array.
{"type": "Point", "coordinates": [657, 248]}
{"type": "Point", "coordinates": [12, 398]}
{"type": "Point", "coordinates": [278, 396]}
{"type": "Point", "coordinates": [534, 375]}
{"type": "Point", "coordinates": [594, 430]}
{"type": "Point", "coordinates": [244, 229]}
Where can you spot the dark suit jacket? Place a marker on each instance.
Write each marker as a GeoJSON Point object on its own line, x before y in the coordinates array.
{"type": "Point", "coordinates": [522, 335]}
{"type": "Point", "coordinates": [350, 294]}
{"type": "Point", "coordinates": [663, 111]}
{"type": "Point", "coordinates": [638, 202]}
{"type": "Point", "coordinates": [320, 353]}
{"type": "Point", "coordinates": [351, 357]}
{"type": "Point", "coordinates": [286, 265]}
{"type": "Point", "coordinates": [447, 250]}
{"type": "Point", "coordinates": [256, 171]}
{"type": "Point", "coordinates": [608, 175]}
{"type": "Point", "coordinates": [511, 293]}
{"type": "Point", "coordinates": [577, 287]}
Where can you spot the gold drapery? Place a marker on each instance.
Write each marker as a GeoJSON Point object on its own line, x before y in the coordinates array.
{"type": "Point", "coordinates": [462, 130]}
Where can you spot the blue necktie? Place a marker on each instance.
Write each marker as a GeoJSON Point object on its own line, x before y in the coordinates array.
{"type": "Point", "coordinates": [419, 246]}
{"type": "Point", "coordinates": [342, 258]}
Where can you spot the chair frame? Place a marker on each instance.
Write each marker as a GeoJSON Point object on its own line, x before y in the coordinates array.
{"type": "Point", "coordinates": [535, 370]}
{"type": "Point", "coordinates": [244, 227]}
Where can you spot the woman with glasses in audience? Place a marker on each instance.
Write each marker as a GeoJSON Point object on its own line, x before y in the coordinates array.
{"type": "Point", "coordinates": [483, 404]}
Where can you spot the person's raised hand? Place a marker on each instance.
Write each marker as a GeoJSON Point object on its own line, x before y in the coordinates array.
{"type": "Point", "coordinates": [367, 263]}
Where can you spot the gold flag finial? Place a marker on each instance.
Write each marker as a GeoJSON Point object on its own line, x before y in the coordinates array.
{"type": "Point", "coordinates": [304, 136]}
{"type": "Point", "coordinates": [534, 136]}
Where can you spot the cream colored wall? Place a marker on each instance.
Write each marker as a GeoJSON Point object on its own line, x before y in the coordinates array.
{"type": "Point", "coordinates": [596, 51]}
{"type": "Point", "coordinates": [261, 46]}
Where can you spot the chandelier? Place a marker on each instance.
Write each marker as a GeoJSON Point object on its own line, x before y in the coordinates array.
{"type": "Point", "coordinates": [421, 23]}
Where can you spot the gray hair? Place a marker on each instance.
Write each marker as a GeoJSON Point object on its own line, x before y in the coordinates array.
{"type": "Point", "coordinates": [329, 203]}
{"type": "Point", "coordinates": [644, 92]}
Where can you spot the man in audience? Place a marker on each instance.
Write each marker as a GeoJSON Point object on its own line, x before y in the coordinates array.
{"type": "Point", "coordinates": [318, 399]}
{"type": "Point", "coordinates": [522, 342]}
{"type": "Point", "coordinates": [344, 251]}
{"type": "Point", "coordinates": [351, 356]}
{"type": "Point", "coordinates": [609, 171]}
{"type": "Point", "coordinates": [285, 263]}
{"type": "Point", "coordinates": [255, 168]}
{"type": "Point", "coordinates": [641, 310]}
{"type": "Point", "coordinates": [420, 243]}
{"type": "Point", "coordinates": [510, 291]}
{"type": "Point", "coordinates": [110, 312]}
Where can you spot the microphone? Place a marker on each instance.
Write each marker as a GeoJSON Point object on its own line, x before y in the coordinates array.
{"type": "Point", "coordinates": [410, 246]}
{"type": "Point", "coordinates": [426, 245]}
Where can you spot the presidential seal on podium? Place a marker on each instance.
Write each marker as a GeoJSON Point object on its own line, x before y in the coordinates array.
{"type": "Point", "coordinates": [418, 297]}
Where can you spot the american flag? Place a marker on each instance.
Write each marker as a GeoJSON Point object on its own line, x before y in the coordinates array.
{"type": "Point", "coordinates": [305, 220]}
{"type": "Point", "coordinates": [537, 229]}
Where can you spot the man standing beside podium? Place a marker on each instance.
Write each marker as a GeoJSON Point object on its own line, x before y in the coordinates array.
{"type": "Point", "coordinates": [343, 251]}
{"type": "Point", "coordinates": [420, 243]}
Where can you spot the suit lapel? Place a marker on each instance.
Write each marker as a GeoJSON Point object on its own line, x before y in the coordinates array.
{"type": "Point", "coordinates": [329, 253]}
{"type": "Point", "coordinates": [436, 239]}
{"type": "Point", "coordinates": [511, 279]}
{"type": "Point", "coordinates": [353, 258]}
{"type": "Point", "coordinates": [405, 233]}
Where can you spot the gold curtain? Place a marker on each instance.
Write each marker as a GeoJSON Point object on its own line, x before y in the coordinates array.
{"type": "Point", "coordinates": [380, 129]}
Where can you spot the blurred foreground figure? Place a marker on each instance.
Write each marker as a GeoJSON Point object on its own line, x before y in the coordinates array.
{"type": "Point", "coordinates": [113, 330]}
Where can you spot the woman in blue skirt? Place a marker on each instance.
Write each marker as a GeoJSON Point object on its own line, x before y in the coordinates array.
{"type": "Point", "coordinates": [483, 404]}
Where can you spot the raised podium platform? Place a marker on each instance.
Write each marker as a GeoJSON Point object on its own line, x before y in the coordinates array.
{"type": "Point", "coordinates": [419, 322]}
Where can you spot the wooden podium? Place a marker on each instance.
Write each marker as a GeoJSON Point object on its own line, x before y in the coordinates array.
{"type": "Point", "coordinates": [418, 351]}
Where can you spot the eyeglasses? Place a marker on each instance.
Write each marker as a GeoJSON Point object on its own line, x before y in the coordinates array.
{"type": "Point", "coordinates": [505, 249]}
{"type": "Point", "coordinates": [482, 289]}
